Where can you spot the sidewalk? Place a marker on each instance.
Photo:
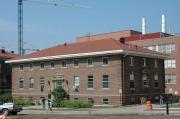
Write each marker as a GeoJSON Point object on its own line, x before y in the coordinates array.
{"type": "Point", "coordinates": [132, 109]}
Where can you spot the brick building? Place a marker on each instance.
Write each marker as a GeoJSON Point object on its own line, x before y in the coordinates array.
{"type": "Point", "coordinates": [158, 41]}
{"type": "Point", "coordinates": [5, 71]}
{"type": "Point", "coordinates": [165, 44]}
{"type": "Point", "coordinates": [107, 71]}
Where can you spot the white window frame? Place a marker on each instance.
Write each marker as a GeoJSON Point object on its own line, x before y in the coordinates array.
{"type": "Point", "coordinates": [62, 64]}
{"type": "Point", "coordinates": [131, 61]}
{"type": "Point", "coordinates": [131, 76]}
{"type": "Point", "coordinates": [92, 78]}
{"type": "Point", "coordinates": [74, 63]}
{"type": "Point", "coordinates": [21, 67]}
{"type": "Point", "coordinates": [155, 63]}
{"type": "Point", "coordinates": [21, 79]}
{"type": "Point", "coordinates": [106, 64]}
{"type": "Point", "coordinates": [31, 83]}
{"type": "Point", "coordinates": [31, 66]}
{"type": "Point", "coordinates": [90, 65]}
{"type": "Point", "coordinates": [52, 67]}
{"type": "Point", "coordinates": [144, 62]}
{"type": "Point", "coordinates": [105, 102]}
{"type": "Point", "coordinates": [105, 81]}
{"type": "Point", "coordinates": [42, 68]}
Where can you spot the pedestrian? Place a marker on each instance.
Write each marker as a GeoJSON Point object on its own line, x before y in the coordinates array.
{"type": "Point", "coordinates": [43, 102]}
{"type": "Point", "coordinates": [50, 105]}
{"type": "Point", "coordinates": [161, 99]}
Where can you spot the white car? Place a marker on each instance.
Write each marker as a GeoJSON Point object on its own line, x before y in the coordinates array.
{"type": "Point", "coordinates": [10, 107]}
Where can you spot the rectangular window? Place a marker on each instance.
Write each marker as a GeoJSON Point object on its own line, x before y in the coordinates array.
{"type": "Point", "coordinates": [144, 62]}
{"type": "Point", "coordinates": [21, 83]}
{"type": "Point", "coordinates": [90, 81]}
{"type": "Point", "coordinates": [21, 67]}
{"type": "Point", "coordinates": [31, 66]}
{"type": "Point", "coordinates": [42, 66]}
{"type": "Point", "coordinates": [63, 65]}
{"type": "Point", "coordinates": [156, 77]}
{"type": "Point", "coordinates": [145, 81]}
{"type": "Point", "coordinates": [76, 99]}
{"type": "Point", "coordinates": [76, 81]}
{"type": "Point", "coordinates": [156, 84]}
{"type": "Point", "coordinates": [105, 101]}
{"type": "Point", "coordinates": [76, 63]}
{"type": "Point", "coordinates": [170, 78]}
{"type": "Point", "coordinates": [52, 65]}
{"type": "Point", "coordinates": [167, 48]}
{"type": "Point", "coordinates": [42, 83]}
{"type": "Point", "coordinates": [170, 63]}
{"type": "Point", "coordinates": [31, 83]}
{"type": "Point", "coordinates": [156, 63]}
{"type": "Point", "coordinates": [132, 85]}
{"type": "Point", "coordinates": [131, 61]}
{"type": "Point", "coordinates": [90, 61]}
{"type": "Point", "coordinates": [105, 61]}
{"type": "Point", "coordinates": [105, 81]}
{"type": "Point", "coordinates": [131, 76]}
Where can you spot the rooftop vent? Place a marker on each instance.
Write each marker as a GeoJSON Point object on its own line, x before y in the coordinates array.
{"type": "Point", "coordinates": [122, 40]}
{"type": "Point", "coordinates": [3, 51]}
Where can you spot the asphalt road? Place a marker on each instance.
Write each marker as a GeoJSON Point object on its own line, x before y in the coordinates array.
{"type": "Point", "coordinates": [101, 116]}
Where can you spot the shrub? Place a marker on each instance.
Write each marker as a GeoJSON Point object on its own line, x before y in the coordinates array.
{"type": "Point", "coordinates": [6, 97]}
{"type": "Point", "coordinates": [59, 93]}
{"type": "Point", "coordinates": [72, 104]}
{"type": "Point", "coordinates": [24, 102]}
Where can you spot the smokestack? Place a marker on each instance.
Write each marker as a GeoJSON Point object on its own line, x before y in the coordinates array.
{"type": "Point", "coordinates": [143, 25]}
{"type": "Point", "coordinates": [163, 23]}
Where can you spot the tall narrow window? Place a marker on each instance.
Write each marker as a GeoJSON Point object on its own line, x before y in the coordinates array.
{"type": "Point", "coordinates": [52, 65]}
{"type": "Point", "coordinates": [31, 66]}
{"type": "Point", "coordinates": [105, 61]}
{"type": "Point", "coordinates": [131, 61]}
{"type": "Point", "coordinates": [42, 84]}
{"type": "Point", "coordinates": [90, 62]}
{"type": "Point", "coordinates": [42, 66]}
{"type": "Point", "coordinates": [76, 63]}
{"type": "Point", "coordinates": [21, 83]}
{"type": "Point", "coordinates": [90, 81]}
{"type": "Point", "coordinates": [155, 63]}
{"type": "Point", "coordinates": [145, 81]}
{"type": "Point", "coordinates": [31, 83]}
{"type": "Point", "coordinates": [76, 81]}
{"type": "Point", "coordinates": [131, 76]}
{"type": "Point", "coordinates": [21, 67]}
{"type": "Point", "coordinates": [63, 65]}
{"type": "Point", "coordinates": [144, 62]}
{"type": "Point", "coordinates": [156, 77]}
{"type": "Point", "coordinates": [105, 81]}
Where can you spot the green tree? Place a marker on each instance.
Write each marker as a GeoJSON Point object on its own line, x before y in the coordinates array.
{"type": "Point", "coordinates": [59, 93]}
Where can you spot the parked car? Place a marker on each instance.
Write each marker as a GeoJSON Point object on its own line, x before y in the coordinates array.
{"type": "Point", "coordinates": [6, 108]}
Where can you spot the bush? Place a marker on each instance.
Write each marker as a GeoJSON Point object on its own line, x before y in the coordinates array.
{"type": "Point", "coordinates": [6, 97]}
{"type": "Point", "coordinates": [24, 102]}
{"type": "Point", "coordinates": [59, 93]}
{"type": "Point", "coordinates": [72, 104]}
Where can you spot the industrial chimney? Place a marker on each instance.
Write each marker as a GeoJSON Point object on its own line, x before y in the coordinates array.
{"type": "Point", "coordinates": [143, 25]}
{"type": "Point", "coordinates": [163, 23]}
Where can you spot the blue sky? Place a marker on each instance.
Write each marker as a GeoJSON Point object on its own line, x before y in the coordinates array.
{"type": "Point", "coordinates": [46, 25]}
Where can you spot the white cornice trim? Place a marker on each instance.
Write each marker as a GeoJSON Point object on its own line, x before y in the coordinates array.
{"type": "Point", "coordinates": [134, 53]}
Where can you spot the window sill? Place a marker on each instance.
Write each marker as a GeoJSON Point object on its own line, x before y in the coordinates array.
{"type": "Point", "coordinates": [90, 66]}
{"type": "Point", "coordinates": [105, 88]}
{"type": "Point", "coordinates": [52, 68]}
{"type": "Point", "coordinates": [75, 66]}
{"type": "Point", "coordinates": [63, 67]}
{"type": "Point", "coordinates": [90, 88]}
{"type": "Point", "coordinates": [105, 65]}
{"type": "Point", "coordinates": [41, 69]}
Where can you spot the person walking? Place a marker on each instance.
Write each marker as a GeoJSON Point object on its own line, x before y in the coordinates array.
{"type": "Point", "coordinates": [161, 100]}
{"type": "Point", "coordinates": [50, 105]}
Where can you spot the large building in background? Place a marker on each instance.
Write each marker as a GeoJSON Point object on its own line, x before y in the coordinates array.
{"type": "Point", "coordinates": [158, 41]}
{"type": "Point", "coordinates": [5, 71]}
{"type": "Point", "coordinates": [107, 71]}
{"type": "Point", "coordinates": [171, 46]}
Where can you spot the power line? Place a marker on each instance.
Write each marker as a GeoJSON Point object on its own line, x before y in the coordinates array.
{"type": "Point", "coordinates": [20, 17]}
